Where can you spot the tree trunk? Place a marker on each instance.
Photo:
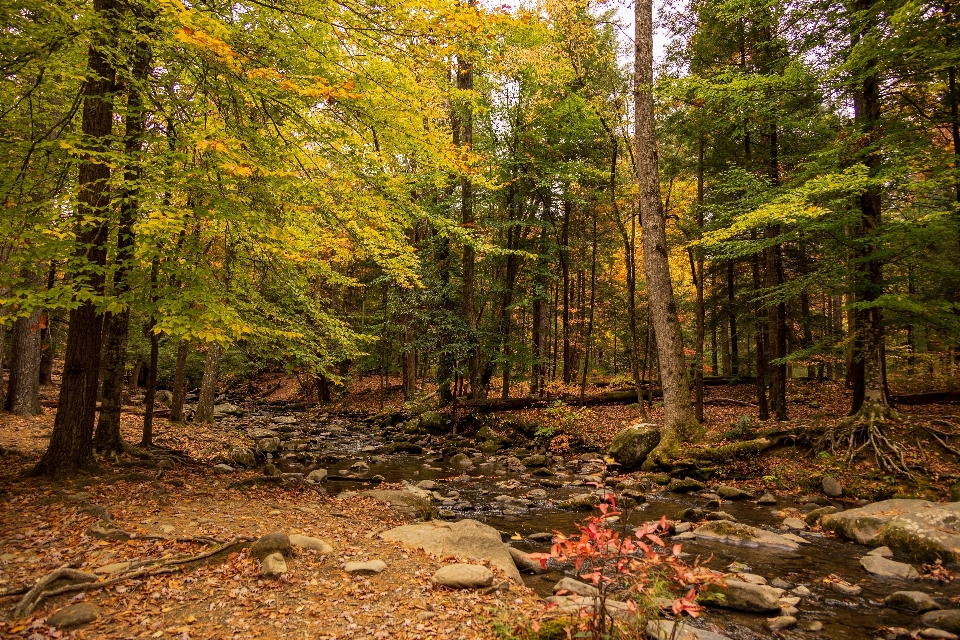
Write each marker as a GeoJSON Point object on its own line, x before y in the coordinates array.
{"type": "Point", "coordinates": [179, 382]}
{"type": "Point", "coordinates": [208, 387]}
{"type": "Point", "coordinates": [150, 401]}
{"type": "Point", "coordinates": [71, 444]}
{"type": "Point", "coordinates": [23, 394]}
{"type": "Point", "coordinates": [732, 318]}
{"type": "Point", "coordinates": [761, 337]}
{"type": "Point", "coordinates": [777, 314]}
{"type": "Point", "coordinates": [565, 269]}
{"type": "Point", "coordinates": [593, 288]}
{"type": "Point", "coordinates": [47, 343]}
{"type": "Point", "coordinates": [679, 419]}
{"type": "Point", "coordinates": [3, 346]}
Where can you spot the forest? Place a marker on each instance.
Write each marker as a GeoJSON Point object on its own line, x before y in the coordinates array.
{"type": "Point", "coordinates": [691, 242]}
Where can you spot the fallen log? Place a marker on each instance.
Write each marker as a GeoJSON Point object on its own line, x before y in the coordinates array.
{"type": "Point", "coordinates": [934, 397]}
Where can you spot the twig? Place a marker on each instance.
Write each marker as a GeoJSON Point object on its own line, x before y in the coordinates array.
{"type": "Point", "coordinates": [943, 444]}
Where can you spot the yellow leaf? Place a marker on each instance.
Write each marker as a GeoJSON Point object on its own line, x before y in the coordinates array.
{"type": "Point", "coordinates": [516, 536]}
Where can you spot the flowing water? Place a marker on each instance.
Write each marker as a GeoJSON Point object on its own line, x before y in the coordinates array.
{"type": "Point", "coordinates": [473, 492]}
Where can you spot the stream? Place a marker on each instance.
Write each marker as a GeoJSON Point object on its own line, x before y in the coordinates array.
{"type": "Point", "coordinates": [479, 491]}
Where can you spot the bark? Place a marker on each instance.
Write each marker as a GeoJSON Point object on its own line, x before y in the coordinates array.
{"type": "Point", "coordinates": [541, 319]}
{"type": "Point", "coordinates": [71, 443]}
{"type": "Point", "coordinates": [179, 382]}
{"type": "Point", "coordinates": [150, 400]}
{"type": "Point", "coordinates": [593, 288]}
{"type": "Point", "coordinates": [679, 419]}
{"type": "Point", "coordinates": [3, 346]}
{"type": "Point", "coordinates": [23, 392]}
{"type": "Point", "coordinates": [776, 314]}
{"type": "Point", "coordinates": [208, 386]}
{"type": "Point", "coordinates": [696, 268]}
{"type": "Point", "coordinates": [732, 318]}
{"type": "Point", "coordinates": [761, 334]}
{"type": "Point", "coordinates": [565, 269]}
{"type": "Point", "coordinates": [47, 344]}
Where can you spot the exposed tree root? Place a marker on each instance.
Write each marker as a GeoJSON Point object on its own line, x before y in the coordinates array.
{"type": "Point", "coordinates": [82, 581]}
{"type": "Point", "coordinates": [865, 431]}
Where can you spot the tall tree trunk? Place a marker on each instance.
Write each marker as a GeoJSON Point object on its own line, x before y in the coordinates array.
{"type": "Point", "coordinates": [179, 382]}
{"type": "Point", "coordinates": [732, 318]}
{"type": "Point", "coordinates": [565, 269]}
{"type": "Point", "coordinates": [23, 394]}
{"type": "Point", "coordinates": [698, 275]}
{"type": "Point", "coordinates": [71, 444]}
{"type": "Point", "coordinates": [593, 299]}
{"type": "Point", "coordinates": [761, 337]}
{"type": "Point", "coordinates": [541, 319]}
{"type": "Point", "coordinates": [208, 386]}
{"type": "Point", "coordinates": [777, 314]}
{"type": "Point", "coordinates": [47, 343]}
{"type": "Point", "coordinates": [150, 401]}
{"type": "Point", "coordinates": [679, 421]}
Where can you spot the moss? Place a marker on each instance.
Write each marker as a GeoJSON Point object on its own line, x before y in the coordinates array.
{"type": "Point", "coordinates": [732, 529]}
{"type": "Point", "coordinates": [554, 629]}
{"type": "Point", "coordinates": [916, 547]}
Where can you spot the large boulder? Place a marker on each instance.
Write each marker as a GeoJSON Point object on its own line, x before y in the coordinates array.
{"type": "Point", "coordinates": [742, 596]}
{"type": "Point", "coordinates": [434, 421]}
{"type": "Point", "coordinates": [670, 630]}
{"type": "Point", "coordinates": [743, 534]}
{"type": "Point", "coordinates": [884, 568]}
{"type": "Point", "coordinates": [631, 446]}
{"type": "Point", "coordinates": [911, 601]}
{"type": "Point", "coordinates": [948, 620]}
{"type": "Point", "coordinates": [467, 539]}
{"type": "Point", "coordinates": [925, 531]}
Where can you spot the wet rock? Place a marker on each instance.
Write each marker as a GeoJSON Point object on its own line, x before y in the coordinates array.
{"type": "Point", "coordinates": [795, 523]}
{"type": "Point", "coordinates": [752, 578]}
{"type": "Point", "coordinates": [925, 531]}
{"type": "Point", "coordinates": [359, 466]}
{"type": "Point", "coordinates": [466, 538]}
{"type": "Point", "coordinates": [463, 576]}
{"type": "Point", "coordinates": [428, 485]}
{"type": "Point", "coordinates": [742, 534]}
{"type": "Point", "coordinates": [808, 507]}
{"type": "Point", "coordinates": [632, 445]}
{"type": "Point", "coordinates": [781, 622]}
{"type": "Point", "coordinates": [434, 421]}
{"type": "Point", "coordinates": [742, 596]}
{"type": "Point", "coordinates": [221, 469]}
{"type": "Point", "coordinates": [686, 535]}
{"type": "Point", "coordinates": [685, 486]}
{"type": "Point", "coordinates": [720, 515]}
{"type": "Point", "coordinates": [310, 544]}
{"type": "Point", "coordinates": [536, 461]}
{"type": "Point", "coordinates": [537, 494]}
{"type": "Point", "coordinates": [271, 470]}
{"type": "Point", "coordinates": [682, 527]}
{"type": "Point", "coordinates": [831, 487]}
{"type": "Point", "coordinates": [75, 615]}
{"type": "Point", "coordinates": [371, 566]}
{"type": "Point", "coordinates": [461, 460]}
{"type": "Point", "coordinates": [885, 568]}
{"type": "Point", "coordinates": [447, 514]}
{"type": "Point", "coordinates": [581, 501]}
{"type": "Point", "coordinates": [780, 583]}
{"type": "Point", "coordinates": [524, 562]}
{"type": "Point", "coordinates": [846, 589]}
{"type": "Point", "coordinates": [794, 538]}
{"type": "Point", "coordinates": [800, 590]}
{"type": "Point", "coordinates": [243, 456]}
{"type": "Point", "coordinates": [947, 619]}
{"type": "Point", "coordinates": [691, 514]}
{"type": "Point", "coordinates": [767, 498]}
{"type": "Point", "coordinates": [273, 565]}
{"type": "Point", "coordinates": [679, 630]}
{"type": "Point", "coordinates": [733, 493]}
{"type": "Point", "coordinates": [814, 516]}
{"type": "Point", "coordinates": [917, 601]}
{"type": "Point", "coordinates": [883, 552]}
{"type": "Point", "coordinates": [268, 445]}
{"type": "Point", "coordinates": [810, 625]}
{"type": "Point", "coordinates": [575, 586]}
{"type": "Point", "coordinates": [936, 634]}
{"type": "Point", "coordinates": [271, 543]}
{"type": "Point", "coordinates": [317, 476]}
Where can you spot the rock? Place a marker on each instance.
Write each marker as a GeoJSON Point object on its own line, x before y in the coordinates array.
{"type": "Point", "coordinates": [524, 562]}
{"type": "Point", "coordinates": [955, 493]}
{"type": "Point", "coordinates": [434, 421]}
{"type": "Point", "coordinates": [221, 469]}
{"type": "Point", "coordinates": [811, 625]}
{"type": "Point", "coordinates": [74, 616]}
{"type": "Point", "coordinates": [883, 552]}
{"type": "Point", "coordinates": [466, 538]}
{"type": "Point", "coordinates": [767, 498]}
{"type": "Point", "coordinates": [885, 568]}
{"type": "Point", "coordinates": [814, 516]}
{"type": "Point", "coordinates": [581, 501]}
{"type": "Point", "coordinates": [256, 434]}
{"type": "Point", "coordinates": [925, 531]}
{"type": "Point", "coordinates": [461, 460]}
{"type": "Point", "coordinates": [310, 544]}
{"type": "Point", "coordinates": [691, 514]}
{"type": "Point", "coordinates": [670, 630]}
{"type": "Point", "coordinates": [243, 457]}
{"type": "Point", "coordinates": [359, 466]}
{"type": "Point", "coordinates": [792, 537]}
{"type": "Point", "coordinates": [831, 488]}
{"type": "Point", "coordinates": [846, 589]}
{"type": "Point", "coordinates": [227, 409]}
{"type": "Point", "coordinates": [317, 476]}
{"type": "Point", "coordinates": [371, 566]}
{"type": "Point", "coordinates": [632, 445]}
{"type": "Point", "coordinates": [543, 536]}
{"type": "Point", "coordinates": [268, 445]}
{"type": "Point", "coordinates": [271, 543]}
{"type": "Point", "coordinates": [575, 586]}
{"type": "Point", "coordinates": [270, 470]}
{"type": "Point", "coordinates": [781, 622]}
{"type": "Point", "coordinates": [742, 596]}
{"type": "Point", "coordinates": [536, 461]}
{"type": "Point", "coordinates": [752, 578]}
{"type": "Point", "coordinates": [735, 533]}
{"type": "Point", "coordinates": [427, 485]}
{"type": "Point", "coordinates": [917, 601]}
{"type": "Point", "coordinates": [273, 565]}
{"type": "Point", "coordinates": [795, 523]}
{"type": "Point", "coordinates": [733, 493]}
{"type": "Point", "coordinates": [463, 576]}
{"type": "Point", "coordinates": [116, 567]}
{"type": "Point", "coordinates": [947, 619]}
{"type": "Point", "coordinates": [800, 590]}
{"type": "Point", "coordinates": [685, 486]}
{"type": "Point", "coordinates": [682, 527]}
{"type": "Point", "coordinates": [936, 634]}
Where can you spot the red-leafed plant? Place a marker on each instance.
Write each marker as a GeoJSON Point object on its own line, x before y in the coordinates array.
{"type": "Point", "coordinates": [612, 559]}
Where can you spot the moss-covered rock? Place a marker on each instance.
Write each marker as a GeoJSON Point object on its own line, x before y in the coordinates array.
{"type": "Point", "coordinates": [632, 445]}
{"type": "Point", "coordinates": [582, 501]}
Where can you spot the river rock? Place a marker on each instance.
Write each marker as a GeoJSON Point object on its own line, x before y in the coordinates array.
{"type": "Point", "coordinates": [831, 487]}
{"type": "Point", "coordinates": [936, 634]}
{"type": "Point", "coordinates": [888, 568]}
{"type": "Point", "coordinates": [632, 445]}
{"type": "Point", "coordinates": [846, 589]}
{"type": "Point", "coordinates": [461, 460]}
{"type": "Point", "coordinates": [581, 501]}
{"type": "Point", "coordinates": [536, 461]}
{"type": "Point", "coordinates": [427, 485]}
{"type": "Point", "coordinates": [733, 493]}
{"type": "Point", "coordinates": [74, 615]}
{"type": "Point", "coordinates": [742, 596]}
{"type": "Point", "coordinates": [317, 476]}
{"type": "Point", "coordinates": [434, 421]}
{"type": "Point", "coordinates": [359, 466]}
{"type": "Point", "coordinates": [222, 469]}
{"type": "Point", "coordinates": [310, 544]}
{"type": "Point", "coordinates": [883, 552]}
{"type": "Point", "coordinates": [795, 523]}
{"type": "Point", "coordinates": [911, 601]}
{"type": "Point", "coordinates": [466, 538]}
{"type": "Point", "coordinates": [371, 566]}
{"type": "Point", "coordinates": [575, 586]}
{"type": "Point", "coordinates": [227, 409]}
{"type": "Point", "coordinates": [811, 625]}
{"type": "Point", "coordinates": [923, 530]}
{"type": "Point", "coordinates": [742, 534]}
{"type": "Point", "coordinates": [256, 434]}
{"type": "Point", "coordinates": [524, 562]}
{"type": "Point", "coordinates": [243, 456]}
{"type": "Point", "coordinates": [268, 445]}
{"type": "Point", "coordinates": [685, 486]}
{"type": "Point", "coordinates": [271, 543]}
{"type": "Point", "coordinates": [670, 630]}
{"type": "Point", "coordinates": [767, 498]}
{"type": "Point", "coordinates": [463, 576]}
{"type": "Point", "coordinates": [781, 622]}
{"type": "Point", "coordinates": [947, 619]}
{"type": "Point", "coordinates": [273, 565]}
{"type": "Point", "coordinates": [814, 516]}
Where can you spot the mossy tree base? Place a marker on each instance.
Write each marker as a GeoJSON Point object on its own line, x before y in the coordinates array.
{"type": "Point", "coordinates": [865, 430]}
